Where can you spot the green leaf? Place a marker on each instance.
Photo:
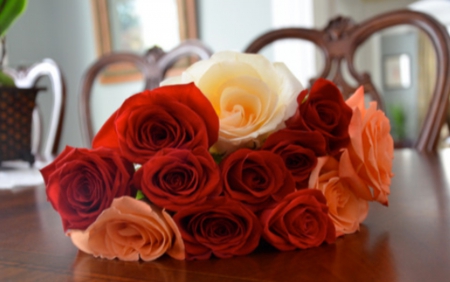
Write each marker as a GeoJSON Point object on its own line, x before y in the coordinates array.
{"type": "Point", "coordinates": [140, 195]}
{"type": "Point", "coordinates": [6, 80]}
{"type": "Point", "coordinates": [217, 157]}
{"type": "Point", "coordinates": [10, 10]}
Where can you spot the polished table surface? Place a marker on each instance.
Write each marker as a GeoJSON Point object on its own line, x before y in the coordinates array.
{"type": "Point", "coordinates": [408, 241]}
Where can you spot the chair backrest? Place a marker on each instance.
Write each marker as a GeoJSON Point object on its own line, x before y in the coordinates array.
{"type": "Point", "coordinates": [153, 66]}
{"type": "Point", "coordinates": [27, 78]}
{"type": "Point", "coordinates": [339, 41]}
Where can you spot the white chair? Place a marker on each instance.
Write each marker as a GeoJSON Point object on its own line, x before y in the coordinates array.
{"type": "Point", "coordinates": [17, 173]}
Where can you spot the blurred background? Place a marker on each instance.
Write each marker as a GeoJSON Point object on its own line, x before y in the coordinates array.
{"type": "Point", "coordinates": [68, 32]}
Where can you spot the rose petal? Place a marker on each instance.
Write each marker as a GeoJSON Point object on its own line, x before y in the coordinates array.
{"type": "Point", "coordinates": [270, 91]}
{"type": "Point", "coordinates": [130, 229]}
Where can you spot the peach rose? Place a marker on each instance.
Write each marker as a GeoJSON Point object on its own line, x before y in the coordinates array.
{"type": "Point", "coordinates": [345, 209]}
{"type": "Point", "coordinates": [130, 229]}
{"type": "Point", "coordinates": [367, 162]}
{"type": "Point", "coordinates": [251, 96]}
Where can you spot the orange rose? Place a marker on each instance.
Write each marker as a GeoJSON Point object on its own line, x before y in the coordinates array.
{"type": "Point", "coordinates": [367, 162]}
{"type": "Point", "coordinates": [130, 229]}
{"type": "Point", "coordinates": [345, 209]}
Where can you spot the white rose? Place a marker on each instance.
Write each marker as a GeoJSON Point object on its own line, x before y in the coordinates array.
{"type": "Point", "coordinates": [252, 96]}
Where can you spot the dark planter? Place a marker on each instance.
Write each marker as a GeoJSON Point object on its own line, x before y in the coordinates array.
{"type": "Point", "coordinates": [16, 109]}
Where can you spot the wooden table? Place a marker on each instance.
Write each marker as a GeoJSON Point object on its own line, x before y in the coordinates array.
{"type": "Point", "coordinates": [409, 241]}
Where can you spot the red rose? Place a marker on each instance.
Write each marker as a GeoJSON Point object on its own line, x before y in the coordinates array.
{"type": "Point", "coordinates": [299, 150]}
{"type": "Point", "coordinates": [221, 226]}
{"type": "Point", "coordinates": [300, 221]}
{"type": "Point", "coordinates": [257, 179]}
{"type": "Point", "coordinates": [81, 183]}
{"type": "Point", "coordinates": [177, 116]}
{"type": "Point", "coordinates": [175, 178]}
{"type": "Point", "coordinates": [323, 109]}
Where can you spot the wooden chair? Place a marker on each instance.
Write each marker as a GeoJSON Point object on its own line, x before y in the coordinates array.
{"type": "Point", "coordinates": [28, 77]}
{"type": "Point", "coordinates": [340, 39]}
{"type": "Point", "coordinates": [153, 65]}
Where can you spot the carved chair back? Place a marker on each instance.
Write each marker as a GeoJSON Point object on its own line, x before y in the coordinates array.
{"type": "Point", "coordinates": [339, 41]}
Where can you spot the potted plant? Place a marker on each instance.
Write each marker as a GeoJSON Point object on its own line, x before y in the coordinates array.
{"type": "Point", "coordinates": [16, 104]}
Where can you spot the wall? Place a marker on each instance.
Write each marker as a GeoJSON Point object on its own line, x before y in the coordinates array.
{"type": "Point", "coordinates": [358, 10]}
{"type": "Point", "coordinates": [232, 24]}
{"type": "Point", "coordinates": [440, 9]}
{"type": "Point", "coordinates": [61, 30]}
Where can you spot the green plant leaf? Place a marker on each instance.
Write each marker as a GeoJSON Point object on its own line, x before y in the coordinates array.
{"type": "Point", "coordinates": [140, 195]}
{"type": "Point", "coordinates": [10, 10]}
{"type": "Point", "coordinates": [6, 80]}
{"type": "Point", "coordinates": [217, 157]}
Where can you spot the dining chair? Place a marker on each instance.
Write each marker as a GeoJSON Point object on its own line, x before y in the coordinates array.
{"type": "Point", "coordinates": [28, 77]}
{"type": "Point", "coordinates": [153, 65]}
{"type": "Point", "coordinates": [339, 41]}
{"type": "Point", "coordinates": [17, 173]}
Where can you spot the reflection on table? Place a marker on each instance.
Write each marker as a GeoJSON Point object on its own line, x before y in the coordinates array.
{"type": "Point", "coordinates": [20, 174]}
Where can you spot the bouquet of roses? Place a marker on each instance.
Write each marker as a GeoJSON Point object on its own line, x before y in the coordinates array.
{"type": "Point", "coordinates": [231, 153]}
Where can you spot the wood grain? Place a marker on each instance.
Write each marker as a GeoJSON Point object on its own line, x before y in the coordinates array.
{"type": "Point", "coordinates": [407, 241]}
